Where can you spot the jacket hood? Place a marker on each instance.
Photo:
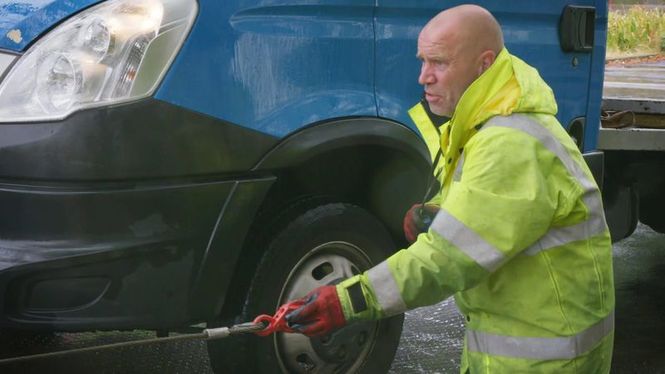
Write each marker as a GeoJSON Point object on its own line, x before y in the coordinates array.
{"type": "Point", "coordinates": [509, 86]}
{"type": "Point", "coordinates": [536, 95]}
{"type": "Point", "coordinates": [22, 22]}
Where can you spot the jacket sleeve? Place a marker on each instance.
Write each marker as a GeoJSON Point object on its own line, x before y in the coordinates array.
{"type": "Point", "coordinates": [501, 205]}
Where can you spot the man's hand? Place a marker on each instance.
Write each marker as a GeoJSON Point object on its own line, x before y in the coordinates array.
{"type": "Point", "coordinates": [321, 314]}
{"type": "Point", "coordinates": [418, 219]}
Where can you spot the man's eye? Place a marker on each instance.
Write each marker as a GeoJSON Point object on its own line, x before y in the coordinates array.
{"type": "Point", "coordinates": [439, 63]}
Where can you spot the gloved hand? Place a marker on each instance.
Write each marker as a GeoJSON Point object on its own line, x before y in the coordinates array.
{"type": "Point", "coordinates": [321, 314]}
{"type": "Point", "coordinates": [418, 219]}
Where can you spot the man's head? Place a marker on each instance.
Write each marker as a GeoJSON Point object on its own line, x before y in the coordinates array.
{"type": "Point", "coordinates": [455, 48]}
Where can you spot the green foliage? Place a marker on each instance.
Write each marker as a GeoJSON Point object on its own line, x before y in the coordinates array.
{"type": "Point", "coordinates": [636, 30]}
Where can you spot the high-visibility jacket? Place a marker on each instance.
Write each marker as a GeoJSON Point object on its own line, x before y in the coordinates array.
{"type": "Point", "coordinates": [520, 240]}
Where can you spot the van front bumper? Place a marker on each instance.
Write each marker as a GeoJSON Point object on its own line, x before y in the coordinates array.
{"type": "Point", "coordinates": [126, 217]}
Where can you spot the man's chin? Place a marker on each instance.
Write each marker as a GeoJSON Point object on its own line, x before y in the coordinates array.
{"type": "Point", "coordinates": [439, 111]}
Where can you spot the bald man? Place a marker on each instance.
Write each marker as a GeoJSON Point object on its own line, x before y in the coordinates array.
{"type": "Point", "coordinates": [519, 236]}
{"type": "Point", "coordinates": [456, 47]}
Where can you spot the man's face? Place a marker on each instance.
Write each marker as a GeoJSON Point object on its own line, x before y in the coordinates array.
{"type": "Point", "coordinates": [447, 70]}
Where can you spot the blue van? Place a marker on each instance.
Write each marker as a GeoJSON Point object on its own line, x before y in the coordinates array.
{"type": "Point", "coordinates": [167, 163]}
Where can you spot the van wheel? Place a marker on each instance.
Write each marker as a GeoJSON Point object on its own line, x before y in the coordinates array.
{"type": "Point", "coordinates": [320, 247]}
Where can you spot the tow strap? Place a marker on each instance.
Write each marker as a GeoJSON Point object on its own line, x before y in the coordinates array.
{"type": "Point", "coordinates": [262, 325]}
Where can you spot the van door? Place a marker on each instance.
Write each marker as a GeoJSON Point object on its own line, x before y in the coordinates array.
{"type": "Point", "coordinates": [531, 31]}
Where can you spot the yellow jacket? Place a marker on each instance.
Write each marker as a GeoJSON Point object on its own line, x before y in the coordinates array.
{"type": "Point", "coordinates": [520, 240]}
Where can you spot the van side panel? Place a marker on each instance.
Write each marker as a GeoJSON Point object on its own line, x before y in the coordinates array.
{"type": "Point", "coordinates": [277, 68]}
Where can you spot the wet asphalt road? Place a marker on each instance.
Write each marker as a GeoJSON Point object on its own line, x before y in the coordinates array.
{"type": "Point", "coordinates": [431, 341]}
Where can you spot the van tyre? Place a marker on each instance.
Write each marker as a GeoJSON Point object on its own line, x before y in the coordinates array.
{"type": "Point", "coordinates": [321, 246]}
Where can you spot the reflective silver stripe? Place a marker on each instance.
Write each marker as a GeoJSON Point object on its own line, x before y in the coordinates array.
{"type": "Point", "coordinates": [558, 236]}
{"type": "Point", "coordinates": [386, 290]}
{"type": "Point", "coordinates": [467, 241]}
{"type": "Point", "coordinates": [561, 348]}
{"type": "Point", "coordinates": [457, 175]}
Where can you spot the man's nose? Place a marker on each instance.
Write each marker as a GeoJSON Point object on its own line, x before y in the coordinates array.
{"type": "Point", "coordinates": [426, 76]}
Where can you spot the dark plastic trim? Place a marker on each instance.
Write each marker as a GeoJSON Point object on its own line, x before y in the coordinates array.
{"type": "Point", "coordinates": [576, 129]}
{"type": "Point", "coordinates": [328, 136]}
{"type": "Point", "coordinates": [141, 140]}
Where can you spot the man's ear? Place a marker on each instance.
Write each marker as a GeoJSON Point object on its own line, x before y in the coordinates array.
{"type": "Point", "coordinates": [486, 60]}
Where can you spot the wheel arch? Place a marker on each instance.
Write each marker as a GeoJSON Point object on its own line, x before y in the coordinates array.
{"type": "Point", "coordinates": [343, 133]}
{"type": "Point", "coordinates": [377, 164]}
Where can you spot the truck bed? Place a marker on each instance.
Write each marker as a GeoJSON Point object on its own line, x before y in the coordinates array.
{"type": "Point", "coordinates": [639, 89]}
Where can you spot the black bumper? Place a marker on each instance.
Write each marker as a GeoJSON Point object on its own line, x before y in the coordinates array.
{"type": "Point", "coordinates": [127, 217]}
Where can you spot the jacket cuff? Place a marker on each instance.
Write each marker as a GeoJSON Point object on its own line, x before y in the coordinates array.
{"type": "Point", "coordinates": [357, 299]}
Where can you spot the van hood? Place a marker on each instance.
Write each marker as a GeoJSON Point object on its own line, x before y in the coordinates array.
{"type": "Point", "coordinates": [22, 22]}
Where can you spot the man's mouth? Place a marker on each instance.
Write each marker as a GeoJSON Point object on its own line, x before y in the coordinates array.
{"type": "Point", "coordinates": [430, 97]}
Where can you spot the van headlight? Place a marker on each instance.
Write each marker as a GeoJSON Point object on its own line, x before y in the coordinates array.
{"type": "Point", "coordinates": [116, 51]}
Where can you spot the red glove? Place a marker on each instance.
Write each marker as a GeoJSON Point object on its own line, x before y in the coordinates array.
{"type": "Point", "coordinates": [417, 220]}
{"type": "Point", "coordinates": [321, 314]}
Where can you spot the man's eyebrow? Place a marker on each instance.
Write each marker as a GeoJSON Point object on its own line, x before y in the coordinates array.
{"type": "Point", "coordinates": [435, 56]}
